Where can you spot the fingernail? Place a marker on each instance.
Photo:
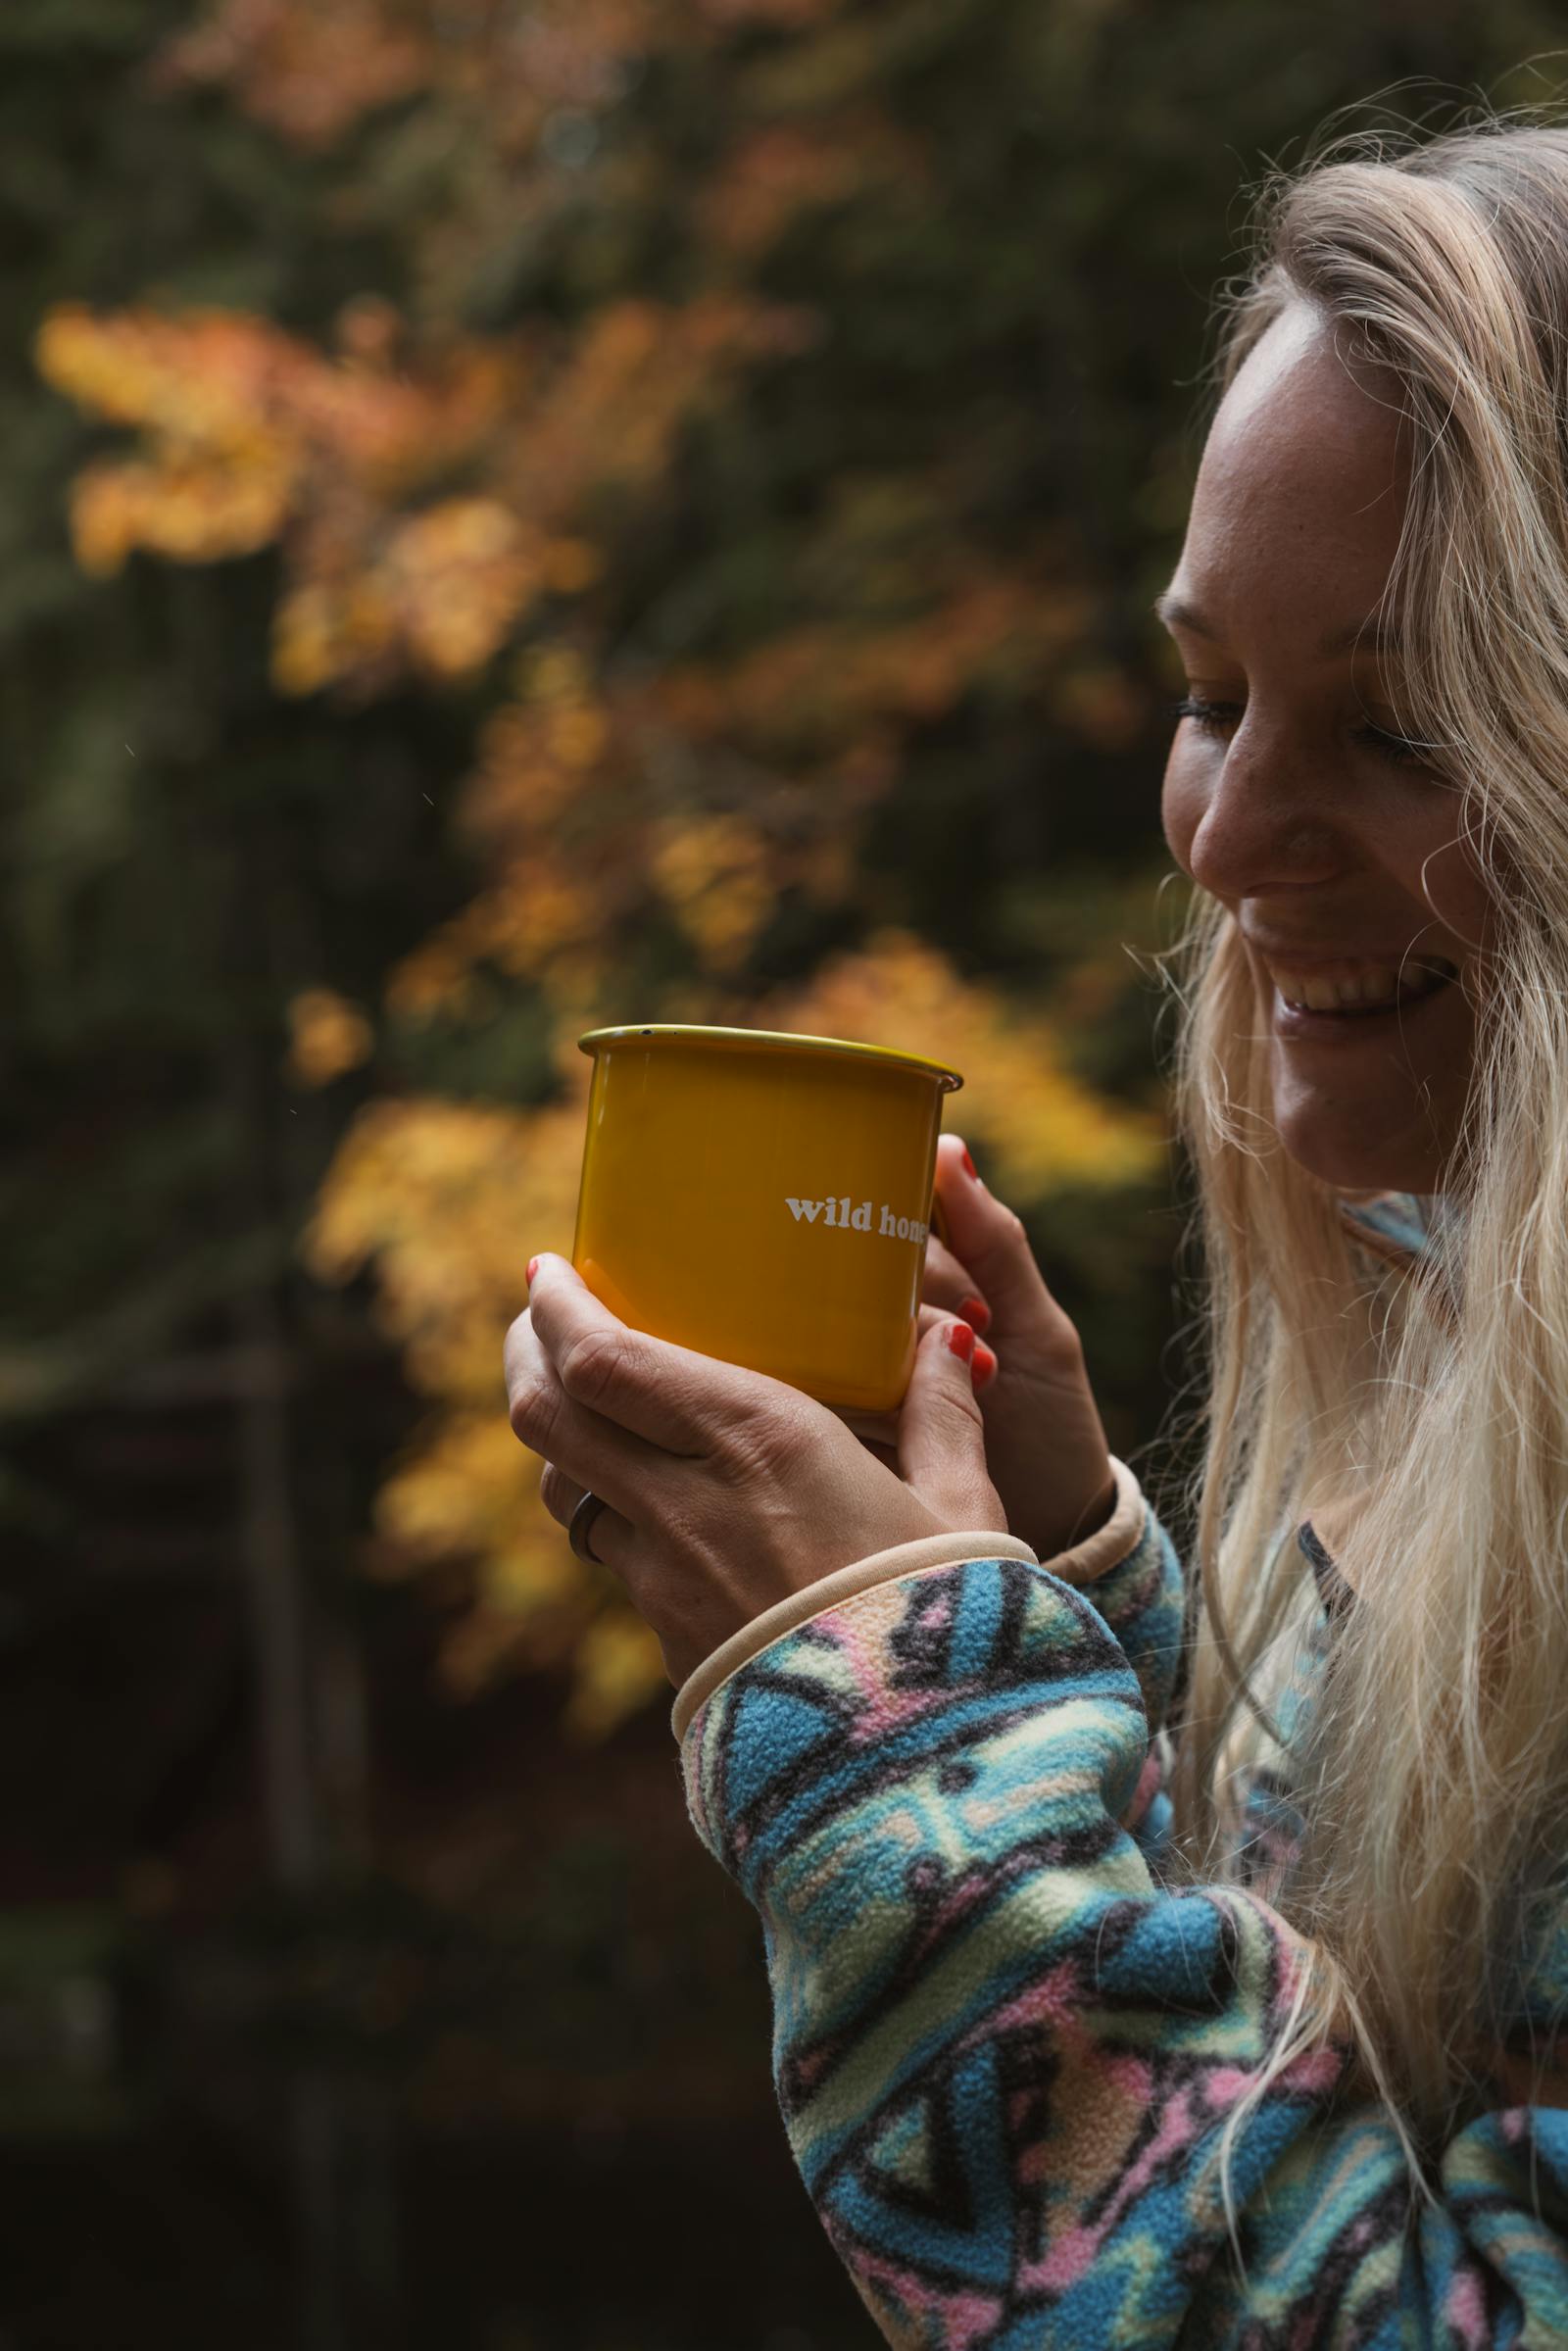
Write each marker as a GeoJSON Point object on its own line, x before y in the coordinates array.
{"type": "Point", "coordinates": [975, 1310]}
{"type": "Point", "coordinates": [969, 1166]}
{"type": "Point", "coordinates": [983, 1370]}
{"type": "Point", "coordinates": [533, 1268]}
{"type": "Point", "coordinates": [961, 1341]}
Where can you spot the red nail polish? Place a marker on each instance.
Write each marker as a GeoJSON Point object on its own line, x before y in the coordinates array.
{"type": "Point", "coordinates": [975, 1310]}
{"type": "Point", "coordinates": [984, 1367]}
{"type": "Point", "coordinates": [533, 1268]}
{"type": "Point", "coordinates": [961, 1341]}
{"type": "Point", "coordinates": [970, 1164]}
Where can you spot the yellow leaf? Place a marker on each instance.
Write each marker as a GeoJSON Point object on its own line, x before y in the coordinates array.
{"type": "Point", "coordinates": [328, 1035]}
{"type": "Point", "coordinates": [1043, 1127]}
{"type": "Point", "coordinates": [618, 1666]}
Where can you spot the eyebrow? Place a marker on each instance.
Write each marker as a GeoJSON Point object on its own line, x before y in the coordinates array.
{"type": "Point", "coordinates": [1369, 634]}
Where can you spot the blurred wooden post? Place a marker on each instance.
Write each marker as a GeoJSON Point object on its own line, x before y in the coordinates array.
{"type": "Point", "coordinates": [274, 1575]}
{"type": "Point", "coordinates": [274, 1559]}
{"type": "Point", "coordinates": [342, 1718]}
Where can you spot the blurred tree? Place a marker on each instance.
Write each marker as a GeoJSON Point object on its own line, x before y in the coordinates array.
{"type": "Point", "coordinates": [183, 851]}
{"type": "Point", "coordinates": [680, 811]}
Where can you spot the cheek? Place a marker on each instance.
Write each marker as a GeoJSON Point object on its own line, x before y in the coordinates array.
{"type": "Point", "coordinates": [1448, 878]}
{"type": "Point", "coordinates": [1421, 841]}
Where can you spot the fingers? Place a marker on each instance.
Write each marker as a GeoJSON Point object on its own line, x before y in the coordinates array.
{"type": "Point", "coordinates": [990, 1241]}
{"type": "Point", "coordinates": [953, 1287]}
{"type": "Point", "coordinates": [983, 1364]}
{"type": "Point", "coordinates": [670, 1397]}
{"type": "Point", "coordinates": [879, 1431]}
{"type": "Point", "coordinates": [941, 1435]}
{"type": "Point", "coordinates": [610, 1535]}
{"type": "Point", "coordinates": [578, 1443]}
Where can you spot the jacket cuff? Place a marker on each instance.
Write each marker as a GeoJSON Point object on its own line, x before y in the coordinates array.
{"type": "Point", "coordinates": [878, 1567]}
{"type": "Point", "coordinates": [1110, 1544]}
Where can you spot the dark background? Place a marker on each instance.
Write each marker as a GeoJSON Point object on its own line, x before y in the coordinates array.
{"type": "Point", "coordinates": [360, 1979]}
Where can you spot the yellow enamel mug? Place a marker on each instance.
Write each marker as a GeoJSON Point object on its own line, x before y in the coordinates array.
{"type": "Point", "coordinates": [764, 1197]}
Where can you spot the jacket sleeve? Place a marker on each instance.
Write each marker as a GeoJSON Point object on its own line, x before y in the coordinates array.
{"type": "Point", "coordinates": [1130, 1561]}
{"type": "Point", "coordinates": [1004, 2053]}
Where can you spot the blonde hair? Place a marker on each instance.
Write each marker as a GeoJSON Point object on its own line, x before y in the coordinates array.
{"type": "Point", "coordinates": [1432, 1774]}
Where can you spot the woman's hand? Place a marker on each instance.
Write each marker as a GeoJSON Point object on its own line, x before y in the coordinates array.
{"type": "Point", "coordinates": [1044, 1447]}
{"type": "Point", "coordinates": [727, 1491]}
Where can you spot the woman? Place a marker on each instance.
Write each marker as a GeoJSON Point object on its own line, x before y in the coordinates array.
{"type": "Point", "coordinates": [1081, 2039]}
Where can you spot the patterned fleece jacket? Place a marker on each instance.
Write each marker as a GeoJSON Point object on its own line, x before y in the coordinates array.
{"type": "Point", "coordinates": [1004, 2049]}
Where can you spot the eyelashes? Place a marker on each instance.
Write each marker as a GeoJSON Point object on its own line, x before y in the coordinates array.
{"type": "Point", "coordinates": [1218, 717]}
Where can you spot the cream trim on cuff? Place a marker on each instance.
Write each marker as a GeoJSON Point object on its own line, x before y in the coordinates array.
{"type": "Point", "coordinates": [799, 1607]}
{"type": "Point", "coordinates": [1109, 1546]}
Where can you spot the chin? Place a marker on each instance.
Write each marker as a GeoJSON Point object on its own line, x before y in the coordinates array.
{"type": "Point", "coordinates": [1357, 1162]}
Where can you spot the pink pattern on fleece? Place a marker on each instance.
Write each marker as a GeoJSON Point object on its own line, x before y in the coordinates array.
{"type": "Point", "coordinates": [881, 1709]}
{"type": "Point", "coordinates": [1464, 2310]}
{"type": "Point", "coordinates": [963, 2319]}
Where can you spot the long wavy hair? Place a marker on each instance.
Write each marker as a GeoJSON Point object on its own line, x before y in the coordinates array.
{"type": "Point", "coordinates": [1429, 1401]}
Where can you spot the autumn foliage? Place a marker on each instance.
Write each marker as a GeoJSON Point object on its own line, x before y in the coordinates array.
{"type": "Point", "coordinates": [709, 650]}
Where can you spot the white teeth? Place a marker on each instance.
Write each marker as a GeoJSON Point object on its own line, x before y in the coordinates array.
{"type": "Point", "coordinates": [1375, 984]}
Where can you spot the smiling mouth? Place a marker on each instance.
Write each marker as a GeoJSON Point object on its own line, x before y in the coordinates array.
{"type": "Point", "coordinates": [1391, 1024]}
{"type": "Point", "coordinates": [1363, 994]}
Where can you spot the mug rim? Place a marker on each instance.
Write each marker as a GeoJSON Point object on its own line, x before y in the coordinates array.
{"type": "Point", "coordinates": [695, 1033]}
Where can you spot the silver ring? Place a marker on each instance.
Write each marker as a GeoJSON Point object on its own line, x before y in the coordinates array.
{"type": "Point", "coordinates": [582, 1527]}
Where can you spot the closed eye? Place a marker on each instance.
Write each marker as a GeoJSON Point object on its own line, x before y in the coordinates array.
{"type": "Point", "coordinates": [1210, 717]}
{"type": "Point", "coordinates": [1401, 751]}
{"type": "Point", "coordinates": [1218, 717]}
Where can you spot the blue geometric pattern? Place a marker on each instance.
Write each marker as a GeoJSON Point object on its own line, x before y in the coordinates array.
{"type": "Point", "coordinates": [1005, 2050]}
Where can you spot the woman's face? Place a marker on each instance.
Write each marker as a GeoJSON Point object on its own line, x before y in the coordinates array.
{"type": "Point", "coordinates": [1287, 794]}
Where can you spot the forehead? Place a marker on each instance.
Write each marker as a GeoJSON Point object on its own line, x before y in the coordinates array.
{"type": "Point", "coordinates": [1301, 493]}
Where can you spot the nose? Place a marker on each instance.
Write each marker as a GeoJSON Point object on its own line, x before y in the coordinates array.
{"type": "Point", "coordinates": [1266, 820]}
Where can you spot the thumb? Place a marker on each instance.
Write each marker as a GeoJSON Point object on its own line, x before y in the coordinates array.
{"type": "Point", "coordinates": [942, 1433]}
